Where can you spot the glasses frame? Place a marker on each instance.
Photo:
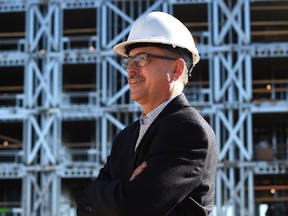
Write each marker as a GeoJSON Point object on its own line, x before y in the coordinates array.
{"type": "Point", "coordinates": [143, 56]}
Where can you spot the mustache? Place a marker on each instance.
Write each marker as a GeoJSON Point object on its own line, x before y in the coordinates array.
{"type": "Point", "coordinates": [134, 76]}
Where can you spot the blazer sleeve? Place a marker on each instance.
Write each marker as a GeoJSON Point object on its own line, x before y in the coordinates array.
{"type": "Point", "coordinates": [104, 173]}
{"type": "Point", "coordinates": [175, 161]}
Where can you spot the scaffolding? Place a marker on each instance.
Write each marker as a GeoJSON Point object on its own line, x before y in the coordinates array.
{"type": "Point", "coordinates": [64, 96]}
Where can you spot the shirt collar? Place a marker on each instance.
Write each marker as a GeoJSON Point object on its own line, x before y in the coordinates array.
{"type": "Point", "coordinates": [151, 116]}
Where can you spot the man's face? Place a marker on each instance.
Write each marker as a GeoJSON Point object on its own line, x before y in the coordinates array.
{"type": "Point", "coordinates": [151, 84]}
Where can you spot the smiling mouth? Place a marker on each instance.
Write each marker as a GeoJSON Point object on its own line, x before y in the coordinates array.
{"type": "Point", "coordinates": [135, 81]}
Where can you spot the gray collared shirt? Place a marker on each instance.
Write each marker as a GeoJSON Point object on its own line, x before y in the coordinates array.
{"type": "Point", "coordinates": [146, 120]}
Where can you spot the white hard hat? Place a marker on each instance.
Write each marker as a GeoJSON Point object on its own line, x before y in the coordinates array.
{"type": "Point", "coordinates": [159, 28]}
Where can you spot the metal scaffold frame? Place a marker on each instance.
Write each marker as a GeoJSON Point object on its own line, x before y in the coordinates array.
{"type": "Point", "coordinates": [230, 69]}
{"type": "Point", "coordinates": [43, 105]}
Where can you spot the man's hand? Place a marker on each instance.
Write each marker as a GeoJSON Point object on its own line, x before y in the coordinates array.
{"type": "Point", "coordinates": [138, 170]}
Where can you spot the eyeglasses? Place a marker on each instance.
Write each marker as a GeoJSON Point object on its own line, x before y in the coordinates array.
{"type": "Point", "coordinates": [141, 59]}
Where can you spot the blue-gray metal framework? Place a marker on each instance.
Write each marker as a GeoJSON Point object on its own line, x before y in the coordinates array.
{"type": "Point", "coordinates": [226, 100]}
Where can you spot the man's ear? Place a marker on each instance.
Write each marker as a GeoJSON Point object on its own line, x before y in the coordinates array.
{"type": "Point", "coordinates": [178, 69]}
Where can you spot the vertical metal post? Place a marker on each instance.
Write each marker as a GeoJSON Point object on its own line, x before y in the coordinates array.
{"type": "Point", "coordinates": [41, 184]}
{"type": "Point", "coordinates": [232, 88]}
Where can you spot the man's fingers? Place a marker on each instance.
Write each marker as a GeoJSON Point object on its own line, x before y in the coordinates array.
{"type": "Point", "coordinates": [138, 170]}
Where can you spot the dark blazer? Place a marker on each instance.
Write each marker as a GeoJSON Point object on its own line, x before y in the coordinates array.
{"type": "Point", "coordinates": [180, 150]}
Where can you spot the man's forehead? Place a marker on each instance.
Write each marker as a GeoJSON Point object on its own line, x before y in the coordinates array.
{"type": "Point", "coordinates": [155, 50]}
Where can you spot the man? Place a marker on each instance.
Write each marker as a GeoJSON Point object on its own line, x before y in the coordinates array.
{"type": "Point", "coordinates": [164, 163]}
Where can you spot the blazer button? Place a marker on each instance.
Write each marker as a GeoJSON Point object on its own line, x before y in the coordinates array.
{"type": "Point", "coordinates": [88, 209]}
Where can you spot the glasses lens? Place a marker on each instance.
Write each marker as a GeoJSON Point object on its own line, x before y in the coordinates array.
{"type": "Point", "coordinates": [140, 60]}
{"type": "Point", "coordinates": [125, 62]}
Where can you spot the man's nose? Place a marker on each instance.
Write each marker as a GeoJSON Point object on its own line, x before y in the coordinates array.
{"type": "Point", "coordinates": [132, 69]}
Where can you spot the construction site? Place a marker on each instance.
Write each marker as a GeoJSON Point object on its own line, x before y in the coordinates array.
{"type": "Point", "coordinates": [64, 96]}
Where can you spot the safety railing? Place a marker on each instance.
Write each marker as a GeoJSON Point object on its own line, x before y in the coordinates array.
{"type": "Point", "coordinates": [198, 93]}
{"type": "Point", "coordinates": [80, 152]}
{"type": "Point", "coordinates": [270, 89]}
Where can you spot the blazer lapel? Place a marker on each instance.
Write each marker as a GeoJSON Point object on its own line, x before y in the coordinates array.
{"type": "Point", "coordinates": [176, 104]}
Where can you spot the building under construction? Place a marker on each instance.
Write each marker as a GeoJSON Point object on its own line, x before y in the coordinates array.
{"type": "Point", "coordinates": [64, 96]}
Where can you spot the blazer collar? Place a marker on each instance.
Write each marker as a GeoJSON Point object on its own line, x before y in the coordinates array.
{"type": "Point", "coordinates": [179, 102]}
